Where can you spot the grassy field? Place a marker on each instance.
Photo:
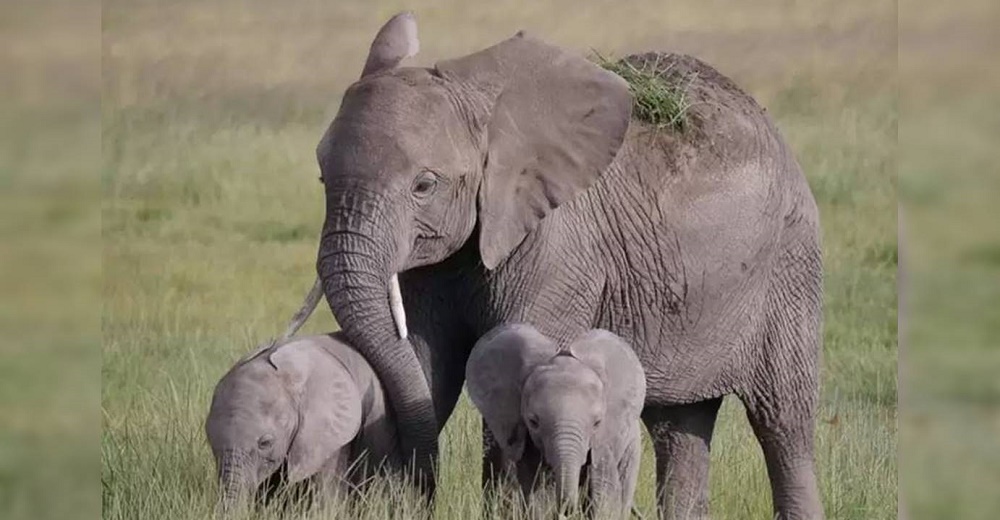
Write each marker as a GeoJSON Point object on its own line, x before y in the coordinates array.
{"type": "Point", "coordinates": [50, 270]}
{"type": "Point", "coordinates": [950, 181]}
{"type": "Point", "coordinates": [211, 210]}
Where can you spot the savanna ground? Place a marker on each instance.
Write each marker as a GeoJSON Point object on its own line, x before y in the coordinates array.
{"type": "Point", "coordinates": [212, 208]}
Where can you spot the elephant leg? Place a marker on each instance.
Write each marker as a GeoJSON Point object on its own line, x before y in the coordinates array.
{"type": "Point", "coordinates": [781, 401]}
{"type": "Point", "coordinates": [629, 471]}
{"type": "Point", "coordinates": [682, 437]}
{"type": "Point", "coordinates": [788, 452]}
{"type": "Point", "coordinates": [443, 356]}
{"type": "Point", "coordinates": [497, 479]}
{"type": "Point", "coordinates": [508, 486]}
{"type": "Point", "coordinates": [495, 471]}
{"type": "Point", "coordinates": [606, 484]}
{"type": "Point", "coordinates": [529, 471]}
{"type": "Point", "coordinates": [334, 482]}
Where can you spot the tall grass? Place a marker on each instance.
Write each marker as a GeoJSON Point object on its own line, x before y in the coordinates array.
{"type": "Point", "coordinates": [212, 209]}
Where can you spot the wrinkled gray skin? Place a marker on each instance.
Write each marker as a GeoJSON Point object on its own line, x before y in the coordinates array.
{"type": "Point", "coordinates": [512, 185]}
{"type": "Point", "coordinates": [311, 407]}
{"type": "Point", "coordinates": [570, 404]}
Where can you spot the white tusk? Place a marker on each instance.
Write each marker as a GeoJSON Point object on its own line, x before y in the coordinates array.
{"type": "Point", "coordinates": [396, 306]}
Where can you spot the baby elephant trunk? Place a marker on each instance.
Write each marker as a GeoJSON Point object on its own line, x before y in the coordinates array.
{"type": "Point", "coordinates": [235, 485]}
{"type": "Point", "coordinates": [569, 457]}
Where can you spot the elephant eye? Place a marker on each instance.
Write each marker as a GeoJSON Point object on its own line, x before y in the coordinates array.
{"type": "Point", "coordinates": [265, 442]}
{"type": "Point", "coordinates": [424, 184]}
{"type": "Point", "coordinates": [533, 421]}
{"type": "Point", "coordinates": [597, 422]}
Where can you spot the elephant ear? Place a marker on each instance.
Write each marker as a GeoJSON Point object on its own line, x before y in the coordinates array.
{"type": "Point", "coordinates": [328, 401]}
{"type": "Point", "coordinates": [624, 379]}
{"type": "Point", "coordinates": [556, 123]}
{"type": "Point", "coordinates": [395, 41]}
{"type": "Point", "coordinates": [494, 374]}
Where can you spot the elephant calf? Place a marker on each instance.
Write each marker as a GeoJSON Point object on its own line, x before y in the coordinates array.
{"type": "Point", "coordinates": [311, 408]}
{"type": "Point", "coordinates": [543, 404]}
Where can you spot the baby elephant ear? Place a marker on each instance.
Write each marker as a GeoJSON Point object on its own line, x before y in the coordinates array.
{"type": "Point", "coordinates": [395, 41]}
{"type": "Point", "coordinates": [494, 374]}
{"type": "Point", "coordinates": [328, 401]}
{"type": "Point", "coordinates": [613, 358]}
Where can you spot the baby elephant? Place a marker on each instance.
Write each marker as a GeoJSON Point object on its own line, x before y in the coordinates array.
{"type": "Point", "coordinates": [564, 405]}
{"type": "Point", "coordinates": [311, 408]}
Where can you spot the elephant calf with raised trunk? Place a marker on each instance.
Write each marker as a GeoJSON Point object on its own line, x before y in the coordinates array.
{"type": "Point", "coordinates": [311, 408]}
{"type": "Point", "coordinates": [563, 407]}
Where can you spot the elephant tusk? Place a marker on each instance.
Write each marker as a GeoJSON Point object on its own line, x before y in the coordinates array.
{"type": "Point", "coordinates": [308, 306]}
{"type": "Point", "coordinates": [396, 306]}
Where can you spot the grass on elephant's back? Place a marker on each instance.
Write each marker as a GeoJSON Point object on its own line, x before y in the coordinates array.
{"type": "Point", "coordinates": [659, 95]}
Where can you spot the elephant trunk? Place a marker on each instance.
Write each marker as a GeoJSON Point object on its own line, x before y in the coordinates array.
{"type": "Point", "coordinates": [568, 458]}
{"type": "Point", "coordinates": [358, 259]}
{"type": "Point", "coordinates": [235, 484]}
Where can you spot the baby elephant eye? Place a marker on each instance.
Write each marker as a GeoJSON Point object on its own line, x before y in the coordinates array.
{"type": "Point", "coordinates": [424, 184]}
{"type": "Point", "coordinates": [265, 442]}
{"type": "Point", "coordinates": [533, 421]}
{"type": "Point", "coordinates": [597, 422]}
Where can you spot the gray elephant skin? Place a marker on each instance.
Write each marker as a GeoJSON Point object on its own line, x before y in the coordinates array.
{"type": "Point", "coordinates": [311, 408]}
{"type": "Point", "coordinates": [570, 405]}
{"type": "Point", "coordinates": [512, 185]}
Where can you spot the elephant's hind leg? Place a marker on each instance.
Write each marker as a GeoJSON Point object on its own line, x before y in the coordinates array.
{"type": "Point", "coordinates": [783, 426]}
{"type": "Point", "coordinates": [682, 438]}
{"type": "Point", "coordinates": [782, 396]}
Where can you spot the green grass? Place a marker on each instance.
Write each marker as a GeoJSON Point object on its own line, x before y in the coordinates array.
{"type": "Point", "coordinates": [211, 210]}
{"type": "Point", "coordinates": [49, 261]}
{"type": "Point", "coordinates": [658, 96]}
{"type": "Point", "coordinates": [949, 390]}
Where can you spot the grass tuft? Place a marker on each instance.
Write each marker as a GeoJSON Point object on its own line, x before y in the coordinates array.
{"type": "Point", "coordinates": [659, 97]}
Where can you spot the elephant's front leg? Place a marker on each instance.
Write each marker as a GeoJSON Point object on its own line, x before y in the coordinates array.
{"type": "Point", "coordinates": [628, 470]}
{"type": "Point", "coordinates": [496, 475]}
{"type": "Point", "coordinates": [682, 438]}
{"type": "Point", "coordinates": [606, 486]}
{"type": "Point", "coordinates": [333, 481]}
{"type": "Point", "coordinates": [507, 485]}
{"type": "Point", "coordinates": [440, 338]}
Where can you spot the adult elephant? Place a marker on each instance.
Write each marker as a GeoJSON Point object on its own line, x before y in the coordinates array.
{"type": "Point", "coordinates": [513, 185]}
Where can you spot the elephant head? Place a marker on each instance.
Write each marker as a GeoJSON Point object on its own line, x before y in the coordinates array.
{"type": "Point", "coordinates": [292, 406]}
{"type": "Point", "coordinates": [417, 159]}
{"type": "Point", "coordinates": [568, 402]}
